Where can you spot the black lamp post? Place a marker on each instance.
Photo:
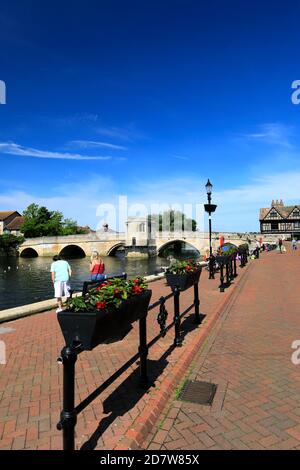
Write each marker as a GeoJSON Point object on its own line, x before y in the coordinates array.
{"type": "Point", "coordinates": [210, 208]}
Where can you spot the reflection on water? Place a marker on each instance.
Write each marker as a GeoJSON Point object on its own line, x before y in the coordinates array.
{"type": "Point", "coordinates": [28, 280]}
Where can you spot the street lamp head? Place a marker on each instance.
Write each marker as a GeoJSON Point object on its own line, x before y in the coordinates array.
{"type": "Point", "coordinates": [208, 187]}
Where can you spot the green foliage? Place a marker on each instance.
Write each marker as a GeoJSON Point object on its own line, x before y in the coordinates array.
{"type": "Point", "coordinates": [244, 246]}
{"type": "Point", "coordinates": [229, 251]}
{"type": "Point", "coordinates": [173, 220]}
{"type": "Point", "coordinates": [109, 294]}
{"type": "Point", "coordinates": [40, 222]}
{"type": "Point", "coordinates": [69, 227]}
{"type": "Point", "coordinates": [183, 267]}
{"type": "Point", "coordinates": [10, 242]}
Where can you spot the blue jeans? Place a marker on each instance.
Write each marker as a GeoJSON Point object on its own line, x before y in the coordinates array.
{"type": "Point", "coordinates": [98, 277]}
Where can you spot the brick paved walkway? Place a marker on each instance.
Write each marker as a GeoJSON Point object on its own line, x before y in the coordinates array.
{"type": "Point", "coordinates": [248, 355]}
{"type": "Point", "coordinates": [31, 381]}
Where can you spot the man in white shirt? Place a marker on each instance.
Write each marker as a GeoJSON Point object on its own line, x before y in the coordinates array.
{"type": "Point", "coordinates": [60, 274]}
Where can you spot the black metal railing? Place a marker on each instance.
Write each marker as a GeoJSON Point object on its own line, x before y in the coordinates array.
{"type": "Point", "coordinates": [69, 354]}
{"type": "Point", "coordinates": [227, 265]}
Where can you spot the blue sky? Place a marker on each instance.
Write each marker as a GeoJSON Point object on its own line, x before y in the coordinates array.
{"type": "Point", "coordinates": [148, 99]}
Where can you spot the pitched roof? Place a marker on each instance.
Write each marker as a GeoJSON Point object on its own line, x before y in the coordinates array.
{"type": "Point", "coordinates": [263, 212]}
{"type": "Point", "coordinates": [284, 211]}
{"type": "Point", "coordinates": [16, 223]}
{"type": "Point", "coordinates": [5, 214]}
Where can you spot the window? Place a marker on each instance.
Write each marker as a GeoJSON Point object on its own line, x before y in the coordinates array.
{"type": "Point", "coordinates": [274, 215]}
{"type": "Point", "coordinates": [296, 213]}
{"type": "Point", "coordinates": [274, 226]}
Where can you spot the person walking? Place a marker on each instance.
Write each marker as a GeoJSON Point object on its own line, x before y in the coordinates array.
{"type": "Point", "coordinates": [280, 244]}
{"type": "Point", "coordinates": [97, 267]}
{"type": "Point", "coordinates": [60, 275]}
{"type": "Point", "coordinates": [294, 244]}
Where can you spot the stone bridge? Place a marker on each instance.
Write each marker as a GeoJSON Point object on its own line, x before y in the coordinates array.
{"type": "Point", "coordinates": [107, 243]}
{"type": "Point", "coordinates": [81, 245]}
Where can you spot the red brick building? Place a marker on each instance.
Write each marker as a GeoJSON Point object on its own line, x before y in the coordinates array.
{"type": "Point", "coordinates": [11, 222]}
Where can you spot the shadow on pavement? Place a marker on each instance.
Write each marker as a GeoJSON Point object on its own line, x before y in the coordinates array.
{"type": "Point", "coordinates": [129, 392]}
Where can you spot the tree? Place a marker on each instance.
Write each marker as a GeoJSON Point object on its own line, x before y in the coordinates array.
{"type": "Point", "coordinates": [10, 243]}
{"type": "Point", "coordinates": [69, 227]}
{"type": "Point", "coordinates": [172, 221]}
{"type": "Point", "coordinates": [40, 222]}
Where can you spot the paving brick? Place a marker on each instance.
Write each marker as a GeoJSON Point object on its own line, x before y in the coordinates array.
{"type": "Point", "coordinates": [249, 350]}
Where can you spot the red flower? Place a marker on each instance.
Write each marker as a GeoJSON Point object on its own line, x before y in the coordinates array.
{"type": "Point", "coordinates": [117, 293]}
{"type": "Point", "coordinates": [187, 268]}
{"type": "Point", "coordinates": [136, 281]}
{"type": "Point", "coordinates": [137, 289]}
{"type": "Point", "coordinates": [100, 305]}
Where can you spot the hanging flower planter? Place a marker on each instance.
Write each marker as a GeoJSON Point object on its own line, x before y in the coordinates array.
{"type": "Point", "coordinates": [106, 314]}
{"type": "Point", "coordinates": [183, 274]}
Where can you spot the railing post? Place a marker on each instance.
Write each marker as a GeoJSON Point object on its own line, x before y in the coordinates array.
{"type": "Point", "coordinates": [222, 285]}
{"type": "Point", "coordinates": [242, 260]}
{"type": "Point", "coordinates": [211, 267]}
{"type": "Point", "coordinates": [231, 276]}
{"type": "Point", "coordinates": [68, 416]}
{"type": "Point", "coordinates": [197, 303]}
{"type": "Point", "coordinates": [143, 351]}
{"type": "Point", "coordinates": [234, 267]}
{"type": "Point", "coordinates": [227, 273]}
{"type": "Point", "coordinates": [177, 339]}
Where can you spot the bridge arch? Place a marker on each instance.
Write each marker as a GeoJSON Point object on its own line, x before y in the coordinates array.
{"type": "Point", "coordinates": [178, 245]}
{"type": "Point", "coordinates": [29, 253]}
{"type": "Point", "coordinates": [72, 251]}
{"type": "Point", "coordinates": [112, 250]}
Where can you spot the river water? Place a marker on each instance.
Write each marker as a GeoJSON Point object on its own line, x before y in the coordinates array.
{"type": "Point", "coordinates": [27, 280]}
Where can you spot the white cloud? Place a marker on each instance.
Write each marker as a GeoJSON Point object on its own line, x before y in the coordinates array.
{"type": "Point", "coordinates": [15, 149]}
{"type": "Point", "coordinates": [94, 144]}
{"type": "Point", "coordinates": [180, 157]}
{"type": "Point", "coordinates": [238, 208]}
{"type": "Point", "coordinates": [128, 133]}
{"type": "Point", "coordinates": [78, 200]}
{"type": "Point", "coordinates": [273, 133]}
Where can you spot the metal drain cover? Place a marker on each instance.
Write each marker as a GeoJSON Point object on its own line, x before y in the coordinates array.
{"type": "Point", "coordinates": [202, 393]}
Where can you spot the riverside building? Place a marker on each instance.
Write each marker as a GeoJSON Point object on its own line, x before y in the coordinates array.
{"type": "Point", "coordinates": [280, 220]}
